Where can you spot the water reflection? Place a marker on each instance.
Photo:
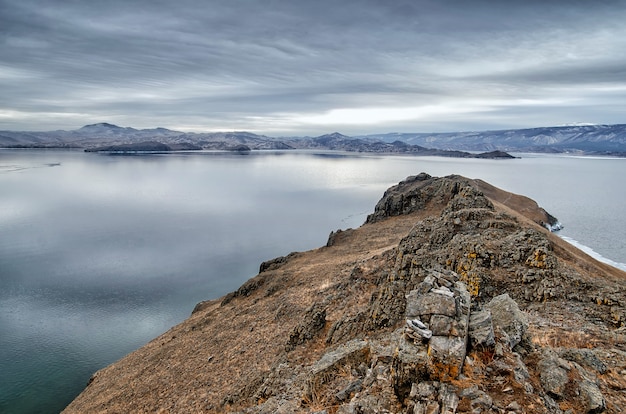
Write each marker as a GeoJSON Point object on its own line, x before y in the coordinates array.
{"type": "Point", "coordinates": [99, 254]}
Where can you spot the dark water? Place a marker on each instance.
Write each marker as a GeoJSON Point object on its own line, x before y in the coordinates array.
{"type": "Point", "coordinates": [99, 254]}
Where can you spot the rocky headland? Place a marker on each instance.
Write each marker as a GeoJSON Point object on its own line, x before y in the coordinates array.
{"type": "Point", "coordinates": [453, 297]}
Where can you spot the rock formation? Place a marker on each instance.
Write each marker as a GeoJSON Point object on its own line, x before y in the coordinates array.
{"type": "Point", "coordinates": [453, 297]}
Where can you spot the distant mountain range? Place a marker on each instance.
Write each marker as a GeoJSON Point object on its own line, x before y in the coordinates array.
{"type": "Point", "coordinates": [587, 139]}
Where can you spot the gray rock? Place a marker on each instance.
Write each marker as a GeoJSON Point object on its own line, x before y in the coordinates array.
{"type": "Point", "coordinates": [585, 357]}
{"type": "Point", "coordinates": [417, 328]}
{"type": "Point", "coordinates": [482, 401]}
{"type": "Point", "coordinates": [312, 323]}
{"type": "Point", "coordinates": [481, 329]}
{"type": "Point", "coordinates": [409, 364]}
{"type": "Point", "coordinates": [463, 298]}
{"type": "Point", "coordinates": [520, 371]}
{"type": "Point", "coordinates": [594, 398]}
{"type": "Point", "coordinates": [441, 325]}
{"type": "Point", "coordinates": [553, 374]}
{"type": "Point", "coordinates": [353, 387]}
{"type": "Point", "coordinates": [446, 356]}
{"type": "Point", "coordinates": [507, 315]}
{"type": "Point", "coordinates": [443, 291]}
{"type": "Point", "coordinates": [429, 304]}
{"type": "Point", "coordinates": [354, 353]}
{"type": "Point", "coordinates": [418, 323]}
{"type": "Point", "coordinates": [424, 287]}
{"type": "Point", "coordinates": [448, 399]}
{"type": "Point", "coordinates": [423, 390]}
{"type": "Point", "coordinates": [469, 392]}
{"type": "Point", "coordinates": [426, 407]}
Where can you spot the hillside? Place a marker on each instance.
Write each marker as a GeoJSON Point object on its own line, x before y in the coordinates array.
{"type": "Point", "coordinates": [586, 139]}
{"type": "Point", "coordinates": [452, 297]}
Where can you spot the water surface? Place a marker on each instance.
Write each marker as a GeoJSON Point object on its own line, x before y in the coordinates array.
{"type": "Point", "coordinates": [99, 254]}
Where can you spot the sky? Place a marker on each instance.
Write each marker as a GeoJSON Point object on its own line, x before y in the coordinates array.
{"type": "Point", "coordinates": [310, 67]}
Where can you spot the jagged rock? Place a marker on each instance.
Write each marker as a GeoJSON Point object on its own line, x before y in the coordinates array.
{"type": "Point", "coordinates": [353, 387]}
{"type": "Point", "coordinates": [426, 407]}
{"type": "Point", "coordinates": [353, 352]}
{"type": "Point", "coordinates": [585, 357]}
{"type": "Point", "coordinates": [520, 371]}
{"type": "Point", "coordinates": [336, 236]}
{"type": "Point", "coordinates": [313, 322]}
{"type": "Point", "coordinates": [505, 314]}
{"type": "Point", "coordinates": [409, 365]}
{"type": "Point", "coordinates": [275, 405]}
{"type": "Point", "coordinates": [446, 356]}
{"type": "Point", "coordinates": [346, 328]}
{"type": "Point", "coordinates": [553, 373]}
{"type": "Point", "coordinates": [462, 300]}
{"type": "Point", "coordinates": [479, 399]}
{"type": "Point", "coordinates": [388, 305]}
{"type": "Point", "coordinates": [424, 287]}
{"type": "Point", "coordinates": [423, 390]}
{"type": "Point", "coordinates": [482, 402]}
{"type": "Point", "coordinates": [481, 329]}
{"type": "Point", "coordinates": [448, 399]}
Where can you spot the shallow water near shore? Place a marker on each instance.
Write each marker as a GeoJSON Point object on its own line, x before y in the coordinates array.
{"type": "Point", "coordinates": [99, 254]}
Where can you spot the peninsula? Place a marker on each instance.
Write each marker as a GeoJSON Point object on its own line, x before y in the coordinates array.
{"type": "Point", "coordinates": [453, 297]}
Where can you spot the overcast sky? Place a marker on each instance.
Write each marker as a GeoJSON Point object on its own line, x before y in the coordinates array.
{"type": "Point", "coordinates": [311, 67]}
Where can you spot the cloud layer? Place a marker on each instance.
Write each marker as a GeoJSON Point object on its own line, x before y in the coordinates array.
{"type": "Point", "coordinates": [311, 67]}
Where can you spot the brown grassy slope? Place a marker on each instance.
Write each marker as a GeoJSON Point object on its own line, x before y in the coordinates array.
{"type": "Point", "coordinates": [516, 204]}
{"type": "Point", "coordinates": [218, 358]}
{"type": "Point", "coordinates": [217, 351]}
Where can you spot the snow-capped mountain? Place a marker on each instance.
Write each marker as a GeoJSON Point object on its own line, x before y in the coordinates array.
{"type": "Point", "coordinates": [575, 138]}
{"type": "Point", "coordinates": [585, 139]}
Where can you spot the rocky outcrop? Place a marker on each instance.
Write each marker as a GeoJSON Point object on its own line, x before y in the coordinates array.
{"type": "Point", "coordinates": [452, 298]}
{"type": "Point", "coordinates": [440, 317]}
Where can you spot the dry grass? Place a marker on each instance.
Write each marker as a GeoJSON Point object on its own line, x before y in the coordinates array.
{"type": "Point", "coordinates": [561, 338]}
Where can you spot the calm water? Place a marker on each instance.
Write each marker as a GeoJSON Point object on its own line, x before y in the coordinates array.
{"type": "Point", "coordinates": [99, 254]}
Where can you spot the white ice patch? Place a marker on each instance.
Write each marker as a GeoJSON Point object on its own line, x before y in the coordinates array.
{"type": "Point", "coordinates": [594, 254]}
{"type": "Point", "coordinates": [554, 227]}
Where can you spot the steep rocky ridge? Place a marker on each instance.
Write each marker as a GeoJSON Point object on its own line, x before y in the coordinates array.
{"type": "Point", "coordinates": [452, 297]}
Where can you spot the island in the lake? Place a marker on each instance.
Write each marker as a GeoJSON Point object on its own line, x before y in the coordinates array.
{"type": "Point", "coordinates": [453, 297]}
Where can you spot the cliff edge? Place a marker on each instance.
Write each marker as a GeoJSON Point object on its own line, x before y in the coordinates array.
{"type": "Point", "coordinates": [452, 297]}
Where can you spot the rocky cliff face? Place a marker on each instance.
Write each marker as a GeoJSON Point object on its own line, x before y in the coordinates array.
{"type": "Point", "coordinates": [453, 297]}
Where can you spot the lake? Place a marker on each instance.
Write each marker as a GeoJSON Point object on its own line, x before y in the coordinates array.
{"type": "Point", "coordinates": [99, 254]}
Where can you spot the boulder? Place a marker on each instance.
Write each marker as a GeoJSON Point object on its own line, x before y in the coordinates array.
{"type": "Point", "coordinates": [313, 322]}
{"type": "Point", "coordinates": [481, 329]}
{"type": "Point", "coordinates": [506, 315]}
{"type": "Point", "coordinates": [553, 373]}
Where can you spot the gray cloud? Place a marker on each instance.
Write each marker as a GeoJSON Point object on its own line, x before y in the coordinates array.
{"type": "Point", "coordinates": [304, 67]}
